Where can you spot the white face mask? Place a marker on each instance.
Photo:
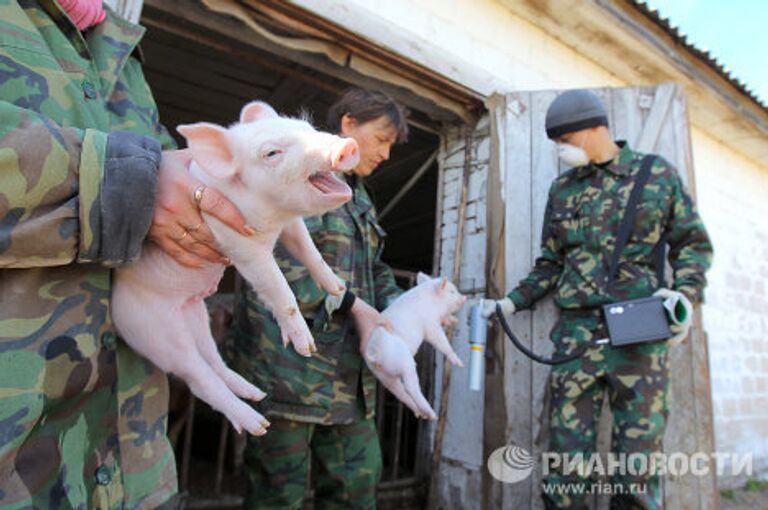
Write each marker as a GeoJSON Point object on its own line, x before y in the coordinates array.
{"type": "Point", "coordinates": [572, 155]}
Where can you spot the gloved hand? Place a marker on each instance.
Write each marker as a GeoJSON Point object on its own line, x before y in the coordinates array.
{"type": "Point", "coordinates": [489, 307]}
{"type": "Point", "coordinates": [680, 312]}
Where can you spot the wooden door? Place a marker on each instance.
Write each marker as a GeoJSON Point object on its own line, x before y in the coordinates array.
{"type": "Point", "coordinates": [523, 165]}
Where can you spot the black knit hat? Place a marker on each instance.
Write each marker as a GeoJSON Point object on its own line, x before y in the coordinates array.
{"type": "Point", "coordinates": [574, 110]}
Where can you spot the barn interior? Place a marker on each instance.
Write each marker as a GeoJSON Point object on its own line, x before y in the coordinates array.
{"type": "Point", "coordinates": [193, 82]}
{"type": "Point", "coordinates": [198, 74]}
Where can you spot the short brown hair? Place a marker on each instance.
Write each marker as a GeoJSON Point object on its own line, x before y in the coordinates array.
{"type": "Point", "coordinates": [366, 105]}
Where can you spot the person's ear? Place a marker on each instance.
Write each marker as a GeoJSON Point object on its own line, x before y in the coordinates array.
{"type": "Point", "coordinates": [348, 124]}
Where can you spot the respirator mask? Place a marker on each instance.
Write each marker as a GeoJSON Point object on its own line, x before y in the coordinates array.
{"type": "Point", "coordinates": [572, 155]}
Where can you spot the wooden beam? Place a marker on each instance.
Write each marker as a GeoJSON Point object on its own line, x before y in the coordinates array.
{"type": "Point", "coordinates": [229, 34]}
{"type": "Point", "coordinates": [377, 54]}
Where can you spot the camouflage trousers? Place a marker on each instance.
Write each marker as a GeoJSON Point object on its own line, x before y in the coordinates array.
{"type": "Point", "coordinates": [636, 381]}
{"type": "Point", "coordinates": [346, 465]}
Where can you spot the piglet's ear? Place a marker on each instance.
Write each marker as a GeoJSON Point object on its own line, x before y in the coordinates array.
{"type": "Point", "coordinates": [421, 278]}
{"type": "Point", "coordinates": [256, 110]}
{"type": "Point", "coordinates": [210, 148]}
{"type": "Point", "coordinates": [443, 283]}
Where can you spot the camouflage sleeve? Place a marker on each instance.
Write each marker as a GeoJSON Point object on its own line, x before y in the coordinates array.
{"type": "Point", "coordinates": [166, 140]}
{"type": "Point", "coordinates": [690, 250]}
{"type": "Point", "coordinates": [546, 270]}
{"type": "Point", "coordinates": [58, 185]}
{"type": "Point", "coordinates": [126, 198]}
{"type": "Point", "coordinates": [385, 288]}
{"type": "Point", "coordinates": [135, 75]}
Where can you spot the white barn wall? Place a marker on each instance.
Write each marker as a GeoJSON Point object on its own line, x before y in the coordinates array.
{"type": "Point", "coordinates": [484, 46]}
{"type": "Point", "coordinates": [733, 200]}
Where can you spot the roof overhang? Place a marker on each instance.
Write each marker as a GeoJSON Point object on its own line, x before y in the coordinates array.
{"type": "Point", "coordinates": [619, 37]}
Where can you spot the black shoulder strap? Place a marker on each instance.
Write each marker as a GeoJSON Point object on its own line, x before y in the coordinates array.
{"type": "Point", "coordinates": [660, 260]}
{"type": "Point", "coordinates": [629, 215]}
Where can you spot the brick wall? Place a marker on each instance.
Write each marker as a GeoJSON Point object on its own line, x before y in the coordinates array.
{"type": "Point", "coordinates": [461, 469]}
{"type": "Point", "coordinates": [733, 200]}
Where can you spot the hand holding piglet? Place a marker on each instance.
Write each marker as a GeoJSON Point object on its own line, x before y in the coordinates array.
{"type": "Point", "coordinates": [177, 220]}
{"type": "Point", "coordinates": [274, 170]}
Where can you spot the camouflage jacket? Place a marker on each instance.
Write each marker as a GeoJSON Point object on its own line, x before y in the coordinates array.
{"type": "Point", "coordinates": [326, 387]}
{"type": "Point", "coordinates": [82, 418]}
{"type": "Point", "coordinates": [583, 213]}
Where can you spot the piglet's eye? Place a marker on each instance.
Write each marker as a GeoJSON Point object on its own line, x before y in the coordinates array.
{"type": "Point", "coordinates": [272, 153]}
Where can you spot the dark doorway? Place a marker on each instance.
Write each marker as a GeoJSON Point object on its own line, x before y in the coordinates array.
{"type": "Point", "coordinates": [193, 82]}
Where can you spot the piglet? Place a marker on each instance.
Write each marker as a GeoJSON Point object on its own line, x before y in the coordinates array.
{"type": "Point", "coordinates": [275, 170]}
{"type": "Point", "coordinates": [417, 315]}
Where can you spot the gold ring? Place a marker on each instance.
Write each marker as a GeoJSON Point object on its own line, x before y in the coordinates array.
{"type": "Point", "coordinates": [195, 228]}
{"type": "Point", "coordinates": [198, 194]}
{"type": "Point", "coordinates": [185, 234]}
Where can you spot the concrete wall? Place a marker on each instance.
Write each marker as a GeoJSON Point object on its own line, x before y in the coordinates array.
{"type": "Point", "coordinates": [483, 45]}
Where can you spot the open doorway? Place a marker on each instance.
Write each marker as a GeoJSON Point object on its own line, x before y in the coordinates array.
{"type": "Point", "coordinates": [193, 81]}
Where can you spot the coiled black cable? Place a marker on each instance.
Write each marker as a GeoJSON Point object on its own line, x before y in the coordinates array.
{"type": "Point", "coordinates": [532, 355]}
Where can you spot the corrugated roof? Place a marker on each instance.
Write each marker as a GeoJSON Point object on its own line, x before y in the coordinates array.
{"type": "Point", "coordinates": [703, 55]}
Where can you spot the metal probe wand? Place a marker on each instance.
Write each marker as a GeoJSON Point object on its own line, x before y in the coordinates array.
{"type": "Point", "coordinates": [478, 329]}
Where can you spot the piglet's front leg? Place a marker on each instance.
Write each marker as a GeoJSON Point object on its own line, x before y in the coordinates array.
{"type": "Point", "coordinates": [436, 336]}
{"type": "Point", "coordinates": [449, 321]}
{"type": "Point", "coordinates": [268, 281]}
{"type": "Point", "coordinates": [296, 239]}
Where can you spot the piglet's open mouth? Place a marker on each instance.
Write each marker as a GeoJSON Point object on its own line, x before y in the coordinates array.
{"type": "Point", "coordinates": [328, 183]}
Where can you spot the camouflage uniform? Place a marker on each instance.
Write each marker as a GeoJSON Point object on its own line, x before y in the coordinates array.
{"type": "Point", "coordinates": [582, 217]}
{"type": "Point", "coordinates": [82, 418]}
{"type": "Point", "coordinates": [333, 387]}
{"type": "Point", "coordinates": [347, 465]}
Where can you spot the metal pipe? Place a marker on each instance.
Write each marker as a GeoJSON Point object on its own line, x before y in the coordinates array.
{"type": "Point", "coordinates": [186, 455]}
{"type": "Point", "coordinates": [221, 454]}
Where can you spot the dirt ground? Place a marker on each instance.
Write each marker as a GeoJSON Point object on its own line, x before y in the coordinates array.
{"type": "Point", "coordinates": [742, 499]}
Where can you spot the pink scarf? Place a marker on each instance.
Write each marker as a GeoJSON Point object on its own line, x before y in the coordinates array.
{"type": "Point", "coordinates": [84, 13]}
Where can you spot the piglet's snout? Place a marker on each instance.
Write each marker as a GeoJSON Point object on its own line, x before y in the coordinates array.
{"type": "Point", "coordinates": [345, 154]}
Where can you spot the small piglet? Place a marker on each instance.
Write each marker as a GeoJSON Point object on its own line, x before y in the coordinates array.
{"type": "Point", "coordinates": [417, 315]}
{"type": "Point", "coordinates": [275, 170]}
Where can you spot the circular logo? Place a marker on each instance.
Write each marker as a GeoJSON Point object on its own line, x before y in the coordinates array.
{"type": "Point", "coordinates": [510, 464]}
